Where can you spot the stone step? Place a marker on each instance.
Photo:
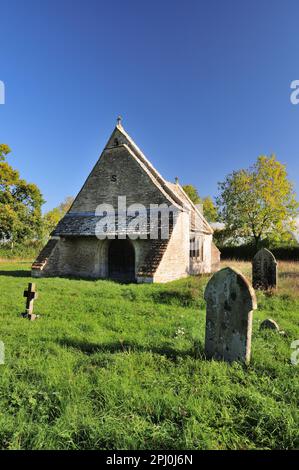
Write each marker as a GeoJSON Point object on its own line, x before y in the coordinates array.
{"type": "Point", "coordinates": [44, 255]}
{"type": "Point", "coordinates": [154, 256]}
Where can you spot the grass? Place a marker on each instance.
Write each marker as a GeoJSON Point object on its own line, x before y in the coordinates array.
{"type": "Point", "coordinates": [111, 366]}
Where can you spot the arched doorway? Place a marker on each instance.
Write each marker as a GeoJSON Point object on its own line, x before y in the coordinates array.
{"type": "Point", "coordinates": [121, 261]}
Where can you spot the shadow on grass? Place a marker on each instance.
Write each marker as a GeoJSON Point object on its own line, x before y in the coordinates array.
{"type": "Point", "coordinates": [19, 273]}
{"type": "Point", "coordinates": [185, 298]}
{"type": "Point", "coordinates": [196, 351]}
{"type": "Point", "coordinates": [24, 273]}
{"type": "Point", "coordinates": [73, 277]}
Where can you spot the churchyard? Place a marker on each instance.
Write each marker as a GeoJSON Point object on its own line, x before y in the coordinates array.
{"type": "Point", "coordinates": [111, 366]}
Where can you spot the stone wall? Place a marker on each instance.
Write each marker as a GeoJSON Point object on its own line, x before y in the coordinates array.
{"type": "Point", "coordinates": [175, 262]}
{"type": "Point", "coordinates": [202, 264]}
{"type": "Point", "coordinates": [86, 257]}
{"type": "Point", "coordinates": [216, 258]}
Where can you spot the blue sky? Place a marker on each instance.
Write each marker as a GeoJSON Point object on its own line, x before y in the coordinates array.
{"type": "Point", "coordinates": [203, 86]}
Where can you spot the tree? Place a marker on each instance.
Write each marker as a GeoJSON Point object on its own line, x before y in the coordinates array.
{"type": "Point", "coordinates": [192, 193]}
{"type": "Point", "coordinates": [20, 204]}
{"type": "Point", "coordinates": [209, 208]}
{"type": "Point", "coordinates": [66, 204]}
{"type": "Point", "coordinates": [51, 218]}
{"type": "Point", "coordinates": [259, 202]}
{"type": "Point", "coordinates": [4, 150]}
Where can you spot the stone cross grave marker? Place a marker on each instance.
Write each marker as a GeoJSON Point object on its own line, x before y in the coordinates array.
{"type": "Point", "coordinates": [264, 270]}
{"type": "Point", "coordinates": [230, 303]}
{"type": "Point", "coordinates": [31, 295]}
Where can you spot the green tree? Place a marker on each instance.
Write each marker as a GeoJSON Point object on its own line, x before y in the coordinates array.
{"type": "Point", "coordinates": [20, 204]}
{"type": "Point", "coordinates": [259, 202]}
{"type": "Point", "coordinates": [209, 208]}
{"type": "Point", "coordinates": [51, 218]}
{"type": "Point", "coordinates": [192, 193]}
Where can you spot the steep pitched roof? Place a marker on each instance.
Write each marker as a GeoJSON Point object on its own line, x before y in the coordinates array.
{"type": "Point", "coordinates": [123, 138]}
{"type": "Point", "coordinates": [82, 222]}
{"type": "Point", "coordinates": [175, 190]}
{"type": "Point", "coordinates": [187, 201]}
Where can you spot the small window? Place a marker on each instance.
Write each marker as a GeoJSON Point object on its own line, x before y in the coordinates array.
{"type": "Point", "coordinates": [196, 248]}
{"type": "Point", "coordinates": [194, 251]}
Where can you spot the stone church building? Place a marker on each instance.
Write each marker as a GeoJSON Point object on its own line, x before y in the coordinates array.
{"type": "Point", "coordinates": [168, 239]}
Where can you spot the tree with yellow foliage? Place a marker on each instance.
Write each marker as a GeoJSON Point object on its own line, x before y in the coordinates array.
{"type": "Point", "coordinates": [259, 202]}
{"type": "Point", "coordinates": [51, 218]}
{"type": "Point", "coordinates": [208, 207]}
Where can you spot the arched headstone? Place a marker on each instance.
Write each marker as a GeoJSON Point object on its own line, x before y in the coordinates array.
{"type": "Point", "coordinates": [269, 324]}
{"type": "Point", "coordinates": [230, 302]}
{"type": "Point", "coordinates": [264, 270]}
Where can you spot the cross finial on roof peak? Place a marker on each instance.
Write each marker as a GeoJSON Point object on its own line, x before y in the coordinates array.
{"type": "Point", "coordinates": [119, 120]}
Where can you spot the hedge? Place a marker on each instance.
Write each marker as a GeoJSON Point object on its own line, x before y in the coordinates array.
{"type": "Point", "coordinates": [247, 252]}
{"type": "Point", "coordinates": [26, 251]}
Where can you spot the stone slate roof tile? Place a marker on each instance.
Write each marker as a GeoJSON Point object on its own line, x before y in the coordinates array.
{"type": "Point", "coordinates": [87, 225]}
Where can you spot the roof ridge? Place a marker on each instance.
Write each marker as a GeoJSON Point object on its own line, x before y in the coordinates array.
{"type": "Point", "coordinates": [172, 197]}
{"type": "Point", "coordinates": [140, 155]}
{"type": "Point", "coordinates": [195, 208]}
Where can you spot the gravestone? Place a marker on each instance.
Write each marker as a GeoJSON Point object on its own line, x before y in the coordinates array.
{"type": "Point", "coordinates": [264, 270]}
{"type": "Point", "coordinates": [269, 324]}
{"type": "Point", "coordinates": [230, 302]}
{"type": "Point", "coordinates": [30, 295]}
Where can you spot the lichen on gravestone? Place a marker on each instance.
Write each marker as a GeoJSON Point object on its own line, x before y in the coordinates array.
{"type": "Point", "coordinates": [230, 303]}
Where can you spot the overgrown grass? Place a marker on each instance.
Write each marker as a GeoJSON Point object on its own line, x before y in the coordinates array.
{"type": "Point", "coordinates": [111, 366]}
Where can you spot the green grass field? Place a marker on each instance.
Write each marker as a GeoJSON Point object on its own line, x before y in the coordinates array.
{"type": "Point", "coordinates": [111, 366]}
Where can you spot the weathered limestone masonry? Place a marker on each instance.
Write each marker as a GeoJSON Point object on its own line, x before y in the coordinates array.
{"type": "Point", "coordinates": [175, 262]}
{"type": "Point", "coordinates": [216, 258]}
{"type": "Point", "coordinates": [121, 252]}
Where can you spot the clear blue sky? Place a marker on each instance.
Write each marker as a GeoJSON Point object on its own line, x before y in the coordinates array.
{"type": "Point", "coordinates": [203, 86]}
